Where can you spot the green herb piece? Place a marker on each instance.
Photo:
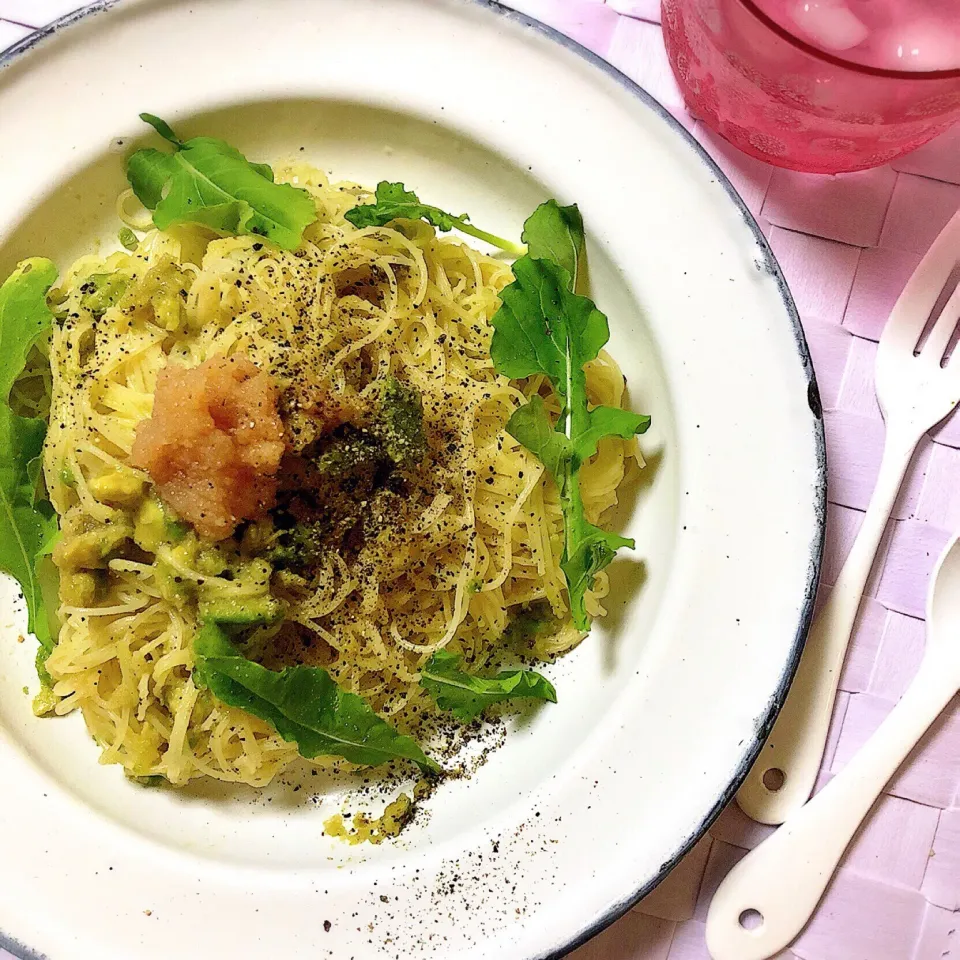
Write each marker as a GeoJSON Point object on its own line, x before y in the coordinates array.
{"type": "Point", "coordinates": [354, 451]}
{"type": "Point", "coordinates": [303, 704]}
{"type": "Point", "coordinates": [128, 239]}
{"type": "Point", "coordinates": [467, 696]}
{"type": "Point", "coordinates": [28, 524]}
{"type": "Point", "coordinates": [555, 233]}
{"type": "Point", "coordinates": [543, 327]}
{"type": "Point", "coordinates": [207, 181]}
{"type": "Point", "coordinates": [399, 425]}
{"type": "Point", "coordinates": [301, 546]}
{"type": "Point", "coordinates": [395, 435]}
{"type": "Point", "coordinates": [395, 202]}
{"type": "Point", "coordinates": [534, 622]}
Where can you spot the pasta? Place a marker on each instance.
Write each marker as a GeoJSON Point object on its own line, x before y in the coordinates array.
{"type": "Point", "coordinates": [467, 541]}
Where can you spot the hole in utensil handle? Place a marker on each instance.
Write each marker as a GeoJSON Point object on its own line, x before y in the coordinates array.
{"type": "Point", "coordinates": [751, 919]}
{"type": "Point", "coordinates": [774, 779]}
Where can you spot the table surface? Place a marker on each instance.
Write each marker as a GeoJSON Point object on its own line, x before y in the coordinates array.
{"type": "Point", "coordinates": [847, 245]}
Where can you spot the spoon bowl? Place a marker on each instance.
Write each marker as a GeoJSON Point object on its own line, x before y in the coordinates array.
{"type": "Point", "coordinates": [943, 609]}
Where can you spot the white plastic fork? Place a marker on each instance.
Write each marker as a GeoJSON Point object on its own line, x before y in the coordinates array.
{"type": "Point", "coordinates": [916, 390]}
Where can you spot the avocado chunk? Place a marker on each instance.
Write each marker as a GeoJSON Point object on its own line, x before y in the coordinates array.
{"type": "Point", "coordinates": [156, 525]}
{"type": "Point", "coordinates": [165, 285]}
{"type": "Point", "coordinates": [81, 589]}
{"type": "Point", "coordinates": [91, 548]}
{"type": "Point", "coordinates": [242, 600]}
{"type": "Point", "coordinates": [173, 588]}
{"type": "Point", "coordinates": [117, 486]}
{"type": "Point", "coordinates": [100, 291]}
{"type": "Point", "coordinates": [45, 702]}
{"type": "Point", "coordinates": [241, 611]}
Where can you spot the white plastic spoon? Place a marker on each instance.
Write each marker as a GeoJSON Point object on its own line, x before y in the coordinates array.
{"type": "Point", "coordinates": [769, 896]}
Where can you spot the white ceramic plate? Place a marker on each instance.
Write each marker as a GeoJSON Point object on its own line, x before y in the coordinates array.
{"type": "Point", "coordinates": [662, 710]}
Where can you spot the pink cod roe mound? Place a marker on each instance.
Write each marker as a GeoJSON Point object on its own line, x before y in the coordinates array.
{"type": "Point", "coordinates": [213, 444]}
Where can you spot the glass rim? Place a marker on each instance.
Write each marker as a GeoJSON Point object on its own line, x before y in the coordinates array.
{"type": "Point", "coordinates": [952, 74]}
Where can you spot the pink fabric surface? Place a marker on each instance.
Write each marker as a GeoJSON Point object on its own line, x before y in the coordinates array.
{"type": "Point", "coordinates": [847, 244]}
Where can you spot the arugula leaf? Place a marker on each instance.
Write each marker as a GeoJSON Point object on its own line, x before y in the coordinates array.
{"type": "Point", "coordinates": [467, 696]}
{"type": "Point", "coordinates": [28, 524]}
{"type": "Point", "coordinates": [303, 704]}
{"type": "Point", "coordinates": [395, 202]}
{"type": "Point", "coordinates": [162, 127]}
{"type": "Point", "coordinates": [543, 327]}
{"type": "Point", "coordinates": [555, 233]}
{"type": "Point", "coordinates": [24, 316]}
{"type": "Point", "coordinates": [532, 427]}
{"type": "Point", "coordinates": [208, 181]}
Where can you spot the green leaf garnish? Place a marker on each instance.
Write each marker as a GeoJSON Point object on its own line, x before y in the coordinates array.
{"type": "Point", "coordinates": [24, 316]}
{"type": "Point", "coordinates": [163, 128]}
{"type": "Point", "coordinates": [28, 524]}
{"type": "Point", "coordinates": [395, 202]}
{"type": "Point", "coordinates": [207, 181]}
{"type": "Point", "coordinates": [555, 233]}
{"type": "Point", "coordinates": [543, 327]}
{"type": "Point", "coordinates": [467, 696]}
{"type": "Point", "coordinates": [303, 704]}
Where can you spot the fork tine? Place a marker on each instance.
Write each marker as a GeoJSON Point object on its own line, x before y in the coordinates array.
{"type": "Point", "coordinates": [942, 331]}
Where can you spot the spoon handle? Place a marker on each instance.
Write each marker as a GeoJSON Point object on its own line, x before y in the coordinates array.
{"type": "Point", "coordinates": [785, 772]}
{"type": "Point", "coordinates": [784, 877]}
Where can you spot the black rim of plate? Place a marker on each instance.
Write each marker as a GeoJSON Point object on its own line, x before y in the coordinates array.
{"type": "Point", "coordinates": [813, 398]}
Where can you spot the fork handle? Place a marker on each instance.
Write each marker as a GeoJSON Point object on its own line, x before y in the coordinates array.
{"type": "Point", "coordinates": [790, 759]}
{"type": "Point", "coordinates": [784, 877]}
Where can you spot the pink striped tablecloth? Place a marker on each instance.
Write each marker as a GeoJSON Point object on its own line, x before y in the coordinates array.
{"type": "Point", "coordinates": [846, 244]}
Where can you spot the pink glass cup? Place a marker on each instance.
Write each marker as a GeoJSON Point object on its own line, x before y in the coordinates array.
{"type": "Point", "coordinates": [782, 100]}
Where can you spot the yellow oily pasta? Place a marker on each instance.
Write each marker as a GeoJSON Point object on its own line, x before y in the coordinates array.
{"type": "Point", "coordinates": [481, 534]}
